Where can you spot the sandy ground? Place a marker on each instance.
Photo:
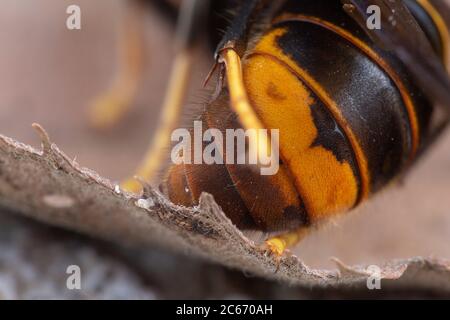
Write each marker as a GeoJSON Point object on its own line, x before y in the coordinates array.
{"type": "Point", "coordinates": [50, 74]}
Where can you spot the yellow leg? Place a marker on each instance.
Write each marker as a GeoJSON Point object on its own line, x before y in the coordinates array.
{"type": "Point", "coordinates": [169, 119]}
{"type": "Point", "coordinates": [239, 100]}
{"type": "Point", "coordinates": [278, 245]}
{"type": "Point", "coordinates": [191, 13]}
{"type": "Point", "coordinates": [109, 108]}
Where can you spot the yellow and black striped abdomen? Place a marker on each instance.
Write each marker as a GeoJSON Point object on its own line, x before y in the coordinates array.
{"type": "Point", "coordinates": [349, 115]}
{"type": "Point", "coordinates": [358, 120]}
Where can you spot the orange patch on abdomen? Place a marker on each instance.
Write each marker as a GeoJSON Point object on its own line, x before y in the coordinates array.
{"type": "Point", "coordinates": [282, 101]}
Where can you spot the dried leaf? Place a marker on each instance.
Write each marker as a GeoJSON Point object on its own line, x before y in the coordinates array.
{"type": "Point", "coordinates": [48, 186]}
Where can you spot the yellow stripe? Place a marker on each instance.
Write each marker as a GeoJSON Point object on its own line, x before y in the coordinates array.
{"type": "Point", "coordinates": [441, 26]}
{"type": "Point", "coordinates": [377, 59]}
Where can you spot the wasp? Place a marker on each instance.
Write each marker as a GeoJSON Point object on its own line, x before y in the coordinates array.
{"type": "Point", "coordinates": [355, 106]}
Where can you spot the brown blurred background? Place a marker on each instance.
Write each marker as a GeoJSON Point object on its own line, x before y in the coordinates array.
{"type": "Point", "coordinates": [49, 75]}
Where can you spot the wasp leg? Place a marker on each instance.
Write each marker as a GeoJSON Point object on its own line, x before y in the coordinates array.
{"type": "Point", "coordinates": [108, 108]}
{"type": "Point", "coordinates": [239, 100]}
{"type": "Point", "coordinates": [278, 245]}
{"type": "Point", "coordinates": [169, 118]}
{"type": "Point", "coordinates": [189, 27]}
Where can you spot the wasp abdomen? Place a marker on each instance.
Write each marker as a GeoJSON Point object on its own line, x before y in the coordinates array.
{"type": "Point", "coordinates": [350, 119]}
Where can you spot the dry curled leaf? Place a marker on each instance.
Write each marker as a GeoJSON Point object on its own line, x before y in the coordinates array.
{"type": "Point", "coordinates": [48, 186]}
